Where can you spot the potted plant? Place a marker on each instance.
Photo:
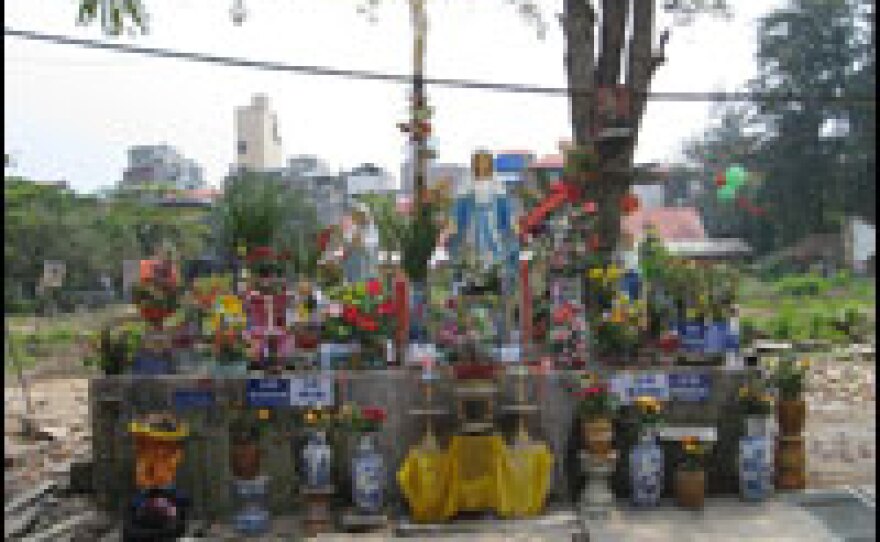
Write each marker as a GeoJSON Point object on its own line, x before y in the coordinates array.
{"type": "Point", "coordinates": [245, 430]}
{"type": "Point", "coordinates": [595, 408]}
{"type": "Point", "coordinates": [756, 405]}
{"type": "Point", "coordinates": [646, 457]}
{"type": "Point", "coordinates": [791, 410]}
{"type": "Point", "coordinates": [690, 477]}
{"type": "Point", "coordinates": [364, 314]}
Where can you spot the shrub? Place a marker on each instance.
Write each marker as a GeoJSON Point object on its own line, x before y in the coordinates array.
{"type": "Point", "coordinates": [802, 285]}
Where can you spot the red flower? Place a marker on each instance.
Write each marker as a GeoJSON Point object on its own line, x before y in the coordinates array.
{"type": "Point", "coordinates": [594, 241]}
{"type": "Point", "coordinates": [374, 287]}
{"type": "Point", "coordinates": [260, 253]}
{"type": "Point", "coordinates": [366, 323]}
{"type": "Point", "coordinates": [590, 207]}
{"type": "Point", "coordinates": [350, 314]}
{"type": "Point", "coordinates": [385, 308]}
{"type": "Point", "coordinates": [373, 414]}
{"type": "Point", "coordinates": [629, 204]}
{"type": "Point", "coordinates": [593, 390]}
{"type": "Point", "coordinates": [451, 303]}
{"type": "Point", "coordinates": [720, 181]}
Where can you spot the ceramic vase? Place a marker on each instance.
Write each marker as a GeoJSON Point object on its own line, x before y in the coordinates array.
{"type": "Point", "coordinates": [317, 461]}
{"type": "Point", "coordinates": [758, 425]}
{"type": "Point", "coordinates": [755, 467]}
{"type": "Point", "coordinates": [368, 475]}
{"type": "Point", "coordinates": [646, 470]}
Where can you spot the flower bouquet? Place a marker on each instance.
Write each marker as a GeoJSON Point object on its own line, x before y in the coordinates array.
{"type": "Point", "coordinates": [363, 313]}
{"type": "Point", "coordinates": [158, 296]}
{"type": "Point", "coordinates": [361, 419]}
{"type": "Point", "coordinates": [649, 415]}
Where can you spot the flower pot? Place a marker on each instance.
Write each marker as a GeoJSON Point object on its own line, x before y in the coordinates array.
{"type": "Point", "coordinates": [755, 468]}
{"type": "Point", "coordinates": [757, 425]}
{"type": "Point", "coordinates": [690, 488]}
{"type": "Point", "coordinates": [597, 436]}
{"type": "Point", "coordinates": [646, 472]}
{"type": "Point", "coordinates": [150, 364]}
{"type": "Point", "coordinates": [790, 461]}
{"type": "Point", "coordinates": [245, 460]}
{"type": "Point", "coordinates": [791, 415]}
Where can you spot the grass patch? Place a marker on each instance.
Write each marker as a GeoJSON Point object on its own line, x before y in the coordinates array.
{"type": "Point", "coordinates": [798, 307]}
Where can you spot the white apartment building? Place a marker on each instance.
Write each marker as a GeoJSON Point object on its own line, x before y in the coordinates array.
{"type": "Point", "coordinates": [258, 142]}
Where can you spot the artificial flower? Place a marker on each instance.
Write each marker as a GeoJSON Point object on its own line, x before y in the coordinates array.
{"type": "Point", "coordinates": [374, 287]}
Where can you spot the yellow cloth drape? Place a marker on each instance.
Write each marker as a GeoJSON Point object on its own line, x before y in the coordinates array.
{"type": "Point", "coordinates": [476, 473]}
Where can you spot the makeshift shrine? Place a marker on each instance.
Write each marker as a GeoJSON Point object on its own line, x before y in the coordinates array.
{"type": "Point", "coordinates": [527, 365]}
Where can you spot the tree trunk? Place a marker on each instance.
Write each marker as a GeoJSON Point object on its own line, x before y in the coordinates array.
{"type": "Point", "coordinates": [578, 26]}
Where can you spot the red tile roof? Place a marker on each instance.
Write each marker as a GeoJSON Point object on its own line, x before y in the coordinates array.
{"type": "Point", "coordinates": [671, 223]}
{"type": "Point", "coordinates": [553, 161]}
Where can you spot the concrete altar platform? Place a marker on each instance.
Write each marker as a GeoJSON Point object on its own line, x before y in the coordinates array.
{"type": "Point", "coordinates": [205, 472]}
{"type": "Point", "coordinates": [784, 518]}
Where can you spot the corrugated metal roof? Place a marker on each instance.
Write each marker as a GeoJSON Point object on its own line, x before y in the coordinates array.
{"type": "Point", "coordinates": [670, 223]}
{"type": "Point", "coordinates": [708, 247]}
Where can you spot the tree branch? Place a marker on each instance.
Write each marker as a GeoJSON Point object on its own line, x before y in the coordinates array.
{"type": "Point", "coordinates": [641, 65]}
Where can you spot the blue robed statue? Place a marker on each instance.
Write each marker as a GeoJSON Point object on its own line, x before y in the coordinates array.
{"type": "Point", "coordinates": [481, 222]}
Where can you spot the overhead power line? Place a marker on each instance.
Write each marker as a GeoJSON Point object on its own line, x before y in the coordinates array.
{"type": "Point", "coordinates": [407, 79]}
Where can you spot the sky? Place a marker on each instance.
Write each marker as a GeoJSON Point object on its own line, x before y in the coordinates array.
{"type": "Point", "coordinates": [71, 113]}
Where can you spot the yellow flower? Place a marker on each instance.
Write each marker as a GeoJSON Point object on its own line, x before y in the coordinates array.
{"type": "Point", "coordinates": [263, 414]}
{"type": "Point", "coordinates": [596, 273]}
{"type": "Point", "coordinates": [805, 364]}
{"type": "Point", "coordinates": [743, 392]}
{"type": "Point", "coordinates": [613, 272]}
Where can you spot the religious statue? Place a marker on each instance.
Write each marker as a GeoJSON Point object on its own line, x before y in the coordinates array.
{"type": "Point", "coordinates": [481, 224]}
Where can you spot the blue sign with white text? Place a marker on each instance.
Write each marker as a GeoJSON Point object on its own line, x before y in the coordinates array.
{"type": "Point", "coordinates": [268, 392]}
{"type": "Point", "coordinates": [693, 387]}
{"type": "Point", "coordinates": [311, 391]}
{"type": "Point", "coordinates": [510, 163]}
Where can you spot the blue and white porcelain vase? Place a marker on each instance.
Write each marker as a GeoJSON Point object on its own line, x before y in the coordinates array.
{"type": "Point", "coordinates": [646, 471]}
{"type": "Point", "coordinates": [317, 459]}
{"type": "Point", "coordinates": [755, 468]}
{"type": "Point", "coordinates": [368, 476]}
{"type": "Point", "coordinates": [252, 517]}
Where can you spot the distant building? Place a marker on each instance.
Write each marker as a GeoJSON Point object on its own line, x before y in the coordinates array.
{"type": "Point", "coordinates": [161, 166]}
{"type": "Point", "coordinates": [322, 187]}
{"type": "Point", "coordinates": [454, 174]}
{"type": "Point", "coordinates": [257, 139]}
{"type": "Point", "coordinates": [369, 179]}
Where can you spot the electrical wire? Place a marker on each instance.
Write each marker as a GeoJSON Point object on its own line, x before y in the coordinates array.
{"type": "Point", "coordinates": [408, 79]}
